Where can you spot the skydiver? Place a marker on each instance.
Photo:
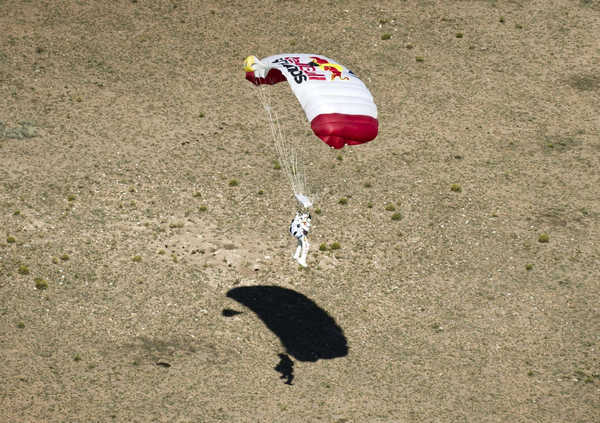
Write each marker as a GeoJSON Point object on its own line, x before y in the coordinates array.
{"type": "Point", "coordinates": [299, 229]}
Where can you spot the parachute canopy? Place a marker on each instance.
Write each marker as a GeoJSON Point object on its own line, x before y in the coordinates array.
{"type": "Point", "coordinates": [337, 103]}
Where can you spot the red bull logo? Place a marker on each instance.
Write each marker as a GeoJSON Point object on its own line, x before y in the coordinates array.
{"type": "Point", "coordinates": [335, 69]}
{"type": "Point", "coordinates": [318, 69]}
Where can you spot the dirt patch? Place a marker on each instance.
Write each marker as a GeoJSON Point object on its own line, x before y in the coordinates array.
{"type": "Point", "coordinates": [139, 282]}
{"type": "Point", "coordinates": [585, 82]}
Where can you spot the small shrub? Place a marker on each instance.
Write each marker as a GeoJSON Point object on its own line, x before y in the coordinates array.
{"type": "Point", "coordinates": [339, 158]}
{"type": "Point", "coordinates": [455, 188]}
{"type": "Point", "coordinates": [528, 266]}
{"type": "Point", "coordinates": [343, 201]}
{"type": "Point", "coordinates": [23, 270]}
{"type": "Point", "coordinates": [335, 246]}
{"type": "Point", "coordinates": [16, 213]}
{"type": "Point", "coordinates": [234, 183]}
{"type": "Point", "coordinates": [64, 257]}
{"type": "Point", "coordinates": [40, 283]}
{"type": "Point", "coordinates": [276, 165]}
{"type": "Point", "coordinates": [71, 197]}
{"type": "Point", "coordinates": [459, 35]}
{"type": "Point", "coordinates": [420, 59]}
{"type": "Point", "coordinates": [370, 205]}
{"type": "Point", "coordinates": [368, 185]}
{"type": "Point", "coordinates": [318, 211]}
{"type": "Point", "coordinates": [397, 216]}
{"type": "Point", "coordinates": [137, 259]}
{"type": "Point", "coordinates": [260, 192]}
{"type": "Point", "coordinates": [390, 207]}
{"type": "Point", "coordinates": [11, 239]}
{"type": "Point", "coordinates": [76, 357]}
{"type": "Point", "coordinates": [21, 325]}
{"type": "Point", "coordinates": [501, 20]}
{"type": "Point", "coordinates": [196, 195]}
{"type": "Point", "coordinates": [386, 36]}
{"type": "Point", "coordinates": [323, 247]}
{"type": "Point", "coordinates": [202, 208]}
{"type": "Point", "coordinates": [544, 238]}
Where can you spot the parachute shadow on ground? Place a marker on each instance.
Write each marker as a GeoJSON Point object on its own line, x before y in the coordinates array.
{"type": "Point", "coordinates": [306, 331]}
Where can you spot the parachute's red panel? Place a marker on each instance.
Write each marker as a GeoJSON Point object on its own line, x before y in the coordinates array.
{"type": "Point", "coordinates": [273, 77]}
{"type": "Point", "coordinates": [337, 129]}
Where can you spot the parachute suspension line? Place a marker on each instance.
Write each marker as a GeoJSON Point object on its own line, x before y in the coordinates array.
{"type": "Point", "coordinates": [288, 154]}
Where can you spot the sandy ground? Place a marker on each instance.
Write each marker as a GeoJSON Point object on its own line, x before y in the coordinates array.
{"type": "Point", "coordinates": [137, 284]}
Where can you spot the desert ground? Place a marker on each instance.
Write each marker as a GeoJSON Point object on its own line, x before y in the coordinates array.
{"type": "Point", "coordinates": [145, 260]}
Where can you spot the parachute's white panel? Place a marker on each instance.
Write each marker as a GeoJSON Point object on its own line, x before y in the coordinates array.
{"type": "Point", "coordinates": [322, 85]}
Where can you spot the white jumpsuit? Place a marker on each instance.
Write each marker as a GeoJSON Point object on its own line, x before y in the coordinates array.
{"type": "Point", "coordinates": [299, 229]}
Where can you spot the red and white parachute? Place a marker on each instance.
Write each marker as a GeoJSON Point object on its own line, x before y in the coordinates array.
{"type": "Point", "coordinates": [337, 103]}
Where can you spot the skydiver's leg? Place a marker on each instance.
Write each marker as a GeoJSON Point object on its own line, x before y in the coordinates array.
{"type": "Point", "coordinates": [305, 246]}
{"type": "Point", "coordinates": [298, 249]}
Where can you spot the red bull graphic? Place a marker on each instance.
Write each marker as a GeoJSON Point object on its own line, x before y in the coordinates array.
{"type": "Point", "coordinates": [335, 69]}
{"type": "Point", "coordinates": [317, 70]}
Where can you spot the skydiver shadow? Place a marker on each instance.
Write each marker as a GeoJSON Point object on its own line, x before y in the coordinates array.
{"type": "Point", "coordinates": [306, 331]}
{"type": "Point", "coordinates": [286, 368]}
